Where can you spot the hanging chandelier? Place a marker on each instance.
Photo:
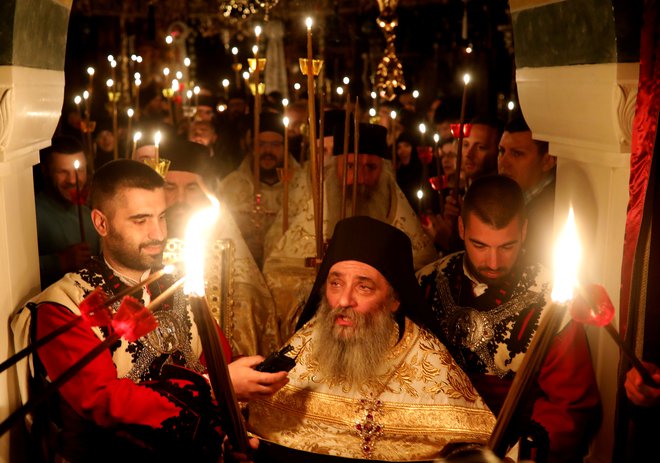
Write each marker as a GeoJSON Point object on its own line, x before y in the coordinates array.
{"type": "Point", "coordinates": [389, 74]}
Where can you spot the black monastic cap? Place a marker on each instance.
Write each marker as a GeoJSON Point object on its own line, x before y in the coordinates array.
{"type": "Point", "coordinates": [207, 100]}
{"type": "Point", "coordinates": [375, 243]}
{"type": "Point", "coordinates": [271, 122]}
{"type": "Point", "coordinates": [186, 156]}
{"type": "Point", "coordinates": [373, 140]}
{"type": "Point", "coordinates": [332, 119]}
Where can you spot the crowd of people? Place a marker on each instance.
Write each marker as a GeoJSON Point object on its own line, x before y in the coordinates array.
{"type": "Point", "coordinates": [407, 331]}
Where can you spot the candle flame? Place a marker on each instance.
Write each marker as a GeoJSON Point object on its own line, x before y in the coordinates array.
{"type": "Point", "coordinates": [169, 39]}
{"type": "Point", "coordinates": [130, 112]}
{"type": "Point", "coordinates": [420, 194]}
{"type": "Point", "coordinates": [285, 102]}
{"type": "Point", "coordinates": [166, 71]}
{"type": "Point", "coordinates": [346, 80]}
{"type": "Point", "coordinates": [169, 268]}
{"type": "Point", "coordinates": [175, 85]}
{"type": "Point", "coordinates": [255, 49]}
{"type": "Point", "coordinates": [566, 261]}
{"type": "Point", "coordinates": [234, 51]}
{"type": "Point", "coordinates": [137, 76]}
{"type": "Point", "coordinates": [466, 78]}
{"type": "Point", "coordinates": [139, 59]}
{"type": "Point", "coordinates": [85, 94]}
{"type": "Point", "coordinates": [196, 90]}
{"type": "Point", "coordinates": [308, 23]}
{"type": "Point", "coordinates": [157, 137]}
{"type": "Point", "coordinates": [197, 233]}
{"type": "Point", "coordinates": [90, 71]}
{"type": "Point", "coordinates": [374, 95]}
{"type": "Point", "coordinates": [111, 58]}
{"type": "Point", "coordinates": [296, 86]}
{"type": "Point", "coordinates": [393, 115]}
{"type": "Point", "coordinates": [246, 75]}
{"type": "Point", "coordinates": [113, 64]}
{"type": "Point", "coordinates": [76, 164]}
{"type": "Point", "coordinates": [436, 137]}
{"type": "Point", "coordinates": [179, 75]}
{"type": "Point", "coordinates": [415, 93]}
{"type": "Point", "coordinates": [225, 83]}
{"type": "Point", "coordinates": [109, 82]}
{"type": "Point", "coordinates": [257, 31]}
{"type": "Point", "coordinates": [340, 90]}
{"type": "Point", "coordinates": [285, 121]}
{"type": "Point", "coordinates": [422, 128]}
{"type": "Point", "coordinates": [137, 136]}
{"type": "Point", "coordinates": [189, 94]}
{"type": "Point", "coordinates": [77, 99]}
{"type": "Point", "coordinates": [186, 61]}
{"type": "Point", "coordinates": [372, 112]}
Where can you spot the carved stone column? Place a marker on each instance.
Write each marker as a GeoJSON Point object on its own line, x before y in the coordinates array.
{"type": "Point", "coordinates": [577, 71]}
{"type": "Point", "coordinates": [31, 88]}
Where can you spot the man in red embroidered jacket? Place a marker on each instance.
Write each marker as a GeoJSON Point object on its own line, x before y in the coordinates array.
{"type": "Point", "coordinates": [486, 306]}
{"type": "Point", "coordinates": [138, 400]}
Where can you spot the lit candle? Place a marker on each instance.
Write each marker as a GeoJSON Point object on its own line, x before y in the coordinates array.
{"type": "Point", "coordinates": [436, 154]}
{"type": "Point", "coordinates": [196, 91]}
{"type": "Point", "coordinates": [257, 113]}
{"type": "Point", "coordinates": [110, 83]}
{"type": "Point", "coordinates": [461, 135]}
{"type": "Point", "coordinates": [136, 139]}
{"type": "Point", "coordinates": [392, 119]}
{"type": "Point", "coordinates": [420, 195]}
{"type": "Point", "coordinates": [77, 101]}
{"type": "Point", "coordinates": [81, 226]}
{"type": "Point", "coordinates": [129, 112]}
{"type": "Point", "coordinates": [285, 195]}
{"type": "Point", "coordinates": [157, 137]}
{"type": "Point", "coordinates": [422, 130]}
{"type": "Point", "coordinates": [225, 86]}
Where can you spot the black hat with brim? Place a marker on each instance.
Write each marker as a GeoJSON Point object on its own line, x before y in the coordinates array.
{"type": "Point", "coordinates": [380, 245]}
{"type": "Point", "coordinates": [372, 140]}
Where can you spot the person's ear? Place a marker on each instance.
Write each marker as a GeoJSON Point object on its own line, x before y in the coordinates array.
{"type": "Point", "coordinates": [100, 222]}
{"type": "Point", "coordinates": [549, 162]}
{"type": "Point", "coordinates": [395, 305]}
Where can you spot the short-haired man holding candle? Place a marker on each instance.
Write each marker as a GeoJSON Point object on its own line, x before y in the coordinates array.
{"type": "Point", "coordinates": [486, 307]}
{"type": "Point", "coordinates": [139, 400]}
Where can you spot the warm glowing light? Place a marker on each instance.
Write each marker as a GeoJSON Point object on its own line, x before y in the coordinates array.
{"type": "Point", "coordinates": [157, 138]}
{"type": "Point", "coordinates": [234, 51]}
{"type": "Point", "coordinates": [138, 82]}
{"type": "Point", "coordinates": [566, 261]}
{"type": "Point", "coordinates": [466, 78]}
{"type": "Point", "coordinates": [77, 99]}
{"type": "Point", "coordinates": [225, 83]}
{"type": "Point", "coordinates": [133, 57]}
{"type": "Point", "coordinates": [285, 121]}
{"type": "Point", "coordinates": [111, 58]}
{"type": "Point", "coordinates": [137, 76]}
{"type": "Point", "coordinates": [139, 59]}
{"type": "Point", "coordinates": [168, 269]}
{"type": "Point", "coordinates": [374, 95]}
{"type": "Point", "coordinates": [415, 93]}
{"type": "Point", "coordinates": [196, 90]}
{"type": "Point", "coordinates": [246, 75]}
{"type": "Point", "coordinates": [137, 136]}
{"type": "Point", "coordinates": [308, 23]}
{"type": "Point", "coordinates": [468, 49]}
{"type": "Point", "coordinates": [340, 90]}
{"type": "Point", "coordinates": [296, 86]}
{"type": "Point", "coordinates": [166, 72]}
{"type": "Point", "coordinates": [76, 164]}
{"type": "Point", "coordinates": [393, 114]}
{"type": "Point", "coordinates": [109, 83]}
{"type": "Point", "coordinates": [255, 49]}
{"type": "Point", "coordinates": [90, 71]}
{"type": "Point", "coordinates": [436, 137]}
{"type": "Point", "coordinates": [346, 80]}
{"type": "Point", "coordinates": [198, 231]}
{"type": "Point", "coordinates": [420, 194]}
{"type": "Point", "coordinates": [285, 102]}
{"type": "Point", "coordinates": [179, 75]}
{"type": "Point", "coordinates": [113, 64]}
{"type": "Point", "coordinates": [257, 31]}
{"type": "Point", "coordinates": [186, 61]}
{"type": "Point", "coordinates": [169, 39]}
{"type": "Point", "coordinates": [511, 105]}
{"type": "Point", "coordinates": [189, 94]}
{"type": "Point", "coordinates": [221, 108]}
{"type": "Point", "coordinates": [422, 128]}
{"type": "Point", "coordinates": [130, 112]}
{"type": "Point", "coordinates": [175, 85]}
{"type": "Point", "coordinates": [372, 112]}
{"type": "Point", "coordinates": [85, 94]}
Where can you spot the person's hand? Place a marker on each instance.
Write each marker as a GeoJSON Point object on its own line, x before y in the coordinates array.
{"type": "Point", "coordinates": [232, 456]}
{"type": "Point", "coordinates": [73, 257]}
{"type": "Point", "coordinates": [249, 383]}
{"type": "Point", "coordinates": [452, 209]}
{"type": "Point", "coordinates": [638, 392]}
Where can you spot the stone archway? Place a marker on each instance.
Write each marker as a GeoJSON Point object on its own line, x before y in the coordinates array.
{"type": "Point", "coordinates": [32, 48]}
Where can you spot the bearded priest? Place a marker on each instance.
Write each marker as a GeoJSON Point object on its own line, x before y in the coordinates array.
{"type": "Point", "coordinates": [369, 382]}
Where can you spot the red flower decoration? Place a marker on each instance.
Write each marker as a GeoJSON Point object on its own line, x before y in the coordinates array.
{"type": "Point", "coordinates": [425, 154]}
{"type": "Point", "coordinates": [455, 130]}
{"type": "Point", "coordinates": [593, 307]}
{"type": "Point", "coordinates": [133, 320]}
{"type": "Point", "coordinates": [94, 308]}
{"type": "Point", "coordinates": [77, 198]}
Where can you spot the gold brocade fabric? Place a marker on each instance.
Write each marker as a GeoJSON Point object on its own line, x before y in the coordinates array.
{"type": "Point", "coordinates": [419, 402]}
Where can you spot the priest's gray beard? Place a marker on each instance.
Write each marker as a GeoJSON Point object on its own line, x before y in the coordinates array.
{"type": "Point", "coordinates": [375, 203]}
{"type": "Point", "coordinates": [352, 353]}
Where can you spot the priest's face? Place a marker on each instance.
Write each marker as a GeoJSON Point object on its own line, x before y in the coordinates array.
{"type": "Point", "coordinates": [184, 194]}
{"type": "Point", "coordinates": [491, 253]}
{"type": "Point", "coordinates": [132, 228]}
{"type": "Point", "coordinates": [270, 146]}
{"type": "Point", "coordinates": [356, 326]}
{"type": "Point", "coordinates": [370, 168]}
